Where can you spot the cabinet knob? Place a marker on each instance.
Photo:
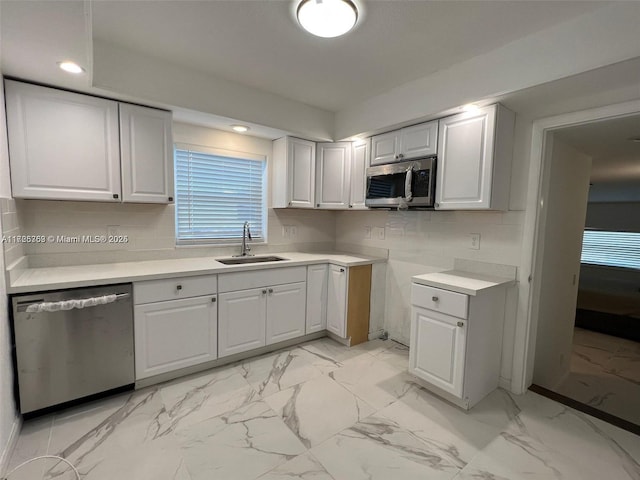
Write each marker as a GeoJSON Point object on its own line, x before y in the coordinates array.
{"type": "Point", "coordinates": [396, 157]}
{"type": "Point", "coordinates": [342, 270]}
{"type": "Point", "coordinates": [115, 195]}
{"type": "Point", "coordinates": [350, 206]}
{"type": "Point", "coordinates": [318, 205]}
{"type": "Point", "coordinates": [171, 199]}
{"type": "Point", "coordinates": [213, 299]}
{"type": "Point", "coordinates": [461, 324]}
{"type": "Point", "coordinates": [436, 205]}
{"type": "Point", "coordinates": [290, 203]}
{"type": "Point", "coordinates": [434, 299]}
{"type": "Point", "coordinates": [264, 292]}
{"type": "Point", "coordinates": [178, 287]}
{"type": "Point", "coordinates": [271, 290]}
{"type": "Point", "coordinates": [401, 156]}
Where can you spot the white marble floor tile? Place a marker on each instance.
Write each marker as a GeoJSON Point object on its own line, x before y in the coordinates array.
{"type": "Point", "coordinates": [375, 346]}
{"type": "Point", "coordinates": [375, 381]}
{"type": "Point", "coordinates": [126, 441]}
{"type": "Point", "coordinates": [452, 432]}
{"type": "Point", "coordinates": [273, 372]}
{"type": "Point", "coordinates": [327, 355]}
{"type": "Point", "coordinates": [303, 467]}
{"type": "Point", "coordinates": [318, 409]}
{"type": "Point", "coordinates": [33, 441]}
{"type": "Point", "coordinates": [379, 449]}
{"type": "Point", "coordinates": [242, 444]}
{"type": "Point", "coordinates": [397, 355]}
{"type": "Point", "coordinates": [197, 397]}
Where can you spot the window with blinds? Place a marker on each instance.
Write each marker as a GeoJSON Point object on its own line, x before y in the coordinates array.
{"type": "Point", "coordinates": [216, 192]}
{"type": "Point", "coordinates": [612, 249]}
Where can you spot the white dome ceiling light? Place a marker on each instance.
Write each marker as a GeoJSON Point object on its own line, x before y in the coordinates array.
{"type": "Point", "coordinates": [70, 67]}
{"type": "Point", "coordinates": [327, 18]}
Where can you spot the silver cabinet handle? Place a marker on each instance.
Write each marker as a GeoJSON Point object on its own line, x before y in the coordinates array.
{"type": "Point", "coordinates": [178, 287]}
{"type": "Point", "coordinates": [461, 324]}
{"type": "Point", "coordinates": [264, 292]}
{"type": "Point", "coordinates": [213, 299]}
{"type": "Point", "coordinates": [342, 270]}
{"type": "Point", "coordinates": [271, 290]}
{"type": "Point", "coordinates": [434, 299]}
{"type": "Point", "coordinates": [401, 155]}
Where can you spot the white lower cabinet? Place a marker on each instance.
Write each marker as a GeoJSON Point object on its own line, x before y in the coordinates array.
{"type": "Point", "coordinates": [317, 298]}
{"type": "Point", "coordinates": [456, 341]}
{"type": "Point", "coordinates": [286, 308]}
{"type": "Point", "coordinates": [175, 334]}
{"type": "Point", "coordinates": [337, 300]}
{"type": "Point", "coordinates": [242, 322]}
{"type": "Point", "coordinates": [440, 356]}
{"type": "Point", "coordinates": [272, 311]}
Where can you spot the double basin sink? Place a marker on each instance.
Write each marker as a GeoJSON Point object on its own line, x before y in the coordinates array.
{"type": "Point", "coordinates": [248, 259]}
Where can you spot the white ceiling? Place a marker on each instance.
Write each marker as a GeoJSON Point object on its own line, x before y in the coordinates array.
{"type": "Point", "coordinates": [259, 44]}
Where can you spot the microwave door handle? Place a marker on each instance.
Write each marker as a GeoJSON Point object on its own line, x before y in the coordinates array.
{"type": "Point", "coordinates": [408, 195]}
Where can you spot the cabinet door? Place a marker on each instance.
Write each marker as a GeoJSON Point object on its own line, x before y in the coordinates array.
{"type": "Point", "coordinates": [174, 334]}
{"type": "Point", "coordinates": [359, 164]}
{"type": "Point", "coordinates": [337, 300]}
{"type": "Point", "coordinates": [437, 350]}
{"type": "Point", "coordinates": [419, 140]}
{"type": "Point", "coordinates": [62, 145]}
{"type": "Point", "coordinates": [242, 318]}
{"type": "Point", "coordinates": [333, 175]}
{"type": "Point", "coordinates": [465, 160]}
{"type": "Point", "coordinates": [146, 147]}
{"type": "Point", "coordinates": [385, 148]}
{"type": "Point", "coordinates": [286, 307]}
{"type": "Point", "coordinates": [301, 158]}
{"type": "Point", "coordinates": [316, 298]}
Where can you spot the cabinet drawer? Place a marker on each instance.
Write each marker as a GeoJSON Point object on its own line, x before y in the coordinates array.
{"type": "Point", "coordinates": [230, 282]}
{"type": "Point", "coordinates": [174, 288]}
{"type": "Point", "coordinates": [443, 301]}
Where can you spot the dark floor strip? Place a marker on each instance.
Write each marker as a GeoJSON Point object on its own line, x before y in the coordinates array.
{"type": "Point", "coordinates": [588, 409]}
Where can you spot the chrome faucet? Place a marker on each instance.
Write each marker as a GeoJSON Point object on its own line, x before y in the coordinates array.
{"type": "Point", "coordinates": [245, 249]}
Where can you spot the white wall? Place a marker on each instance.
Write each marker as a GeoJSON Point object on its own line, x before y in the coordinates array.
{"type": "Point", "coordinates": [8, 414]}
{"type": "Point", "coordinates": [151, 228]}
{"type": "Point", "coordinates": [565, 212]}
{"type": "Point", "coordinates": [597, 38]}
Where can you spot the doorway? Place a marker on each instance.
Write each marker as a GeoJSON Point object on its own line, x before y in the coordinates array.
{"type": "Point", "coordinates": [587, 351]}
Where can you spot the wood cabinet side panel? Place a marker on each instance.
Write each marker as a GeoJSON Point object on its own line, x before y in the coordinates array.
{"type": "Point", "coordinates": [359, 304]}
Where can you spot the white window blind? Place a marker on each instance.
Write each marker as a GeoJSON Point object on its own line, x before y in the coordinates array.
{"type": "Point", "coordinates": [613, 249]}
{"type": "Point", "coordinates": [216, 192]}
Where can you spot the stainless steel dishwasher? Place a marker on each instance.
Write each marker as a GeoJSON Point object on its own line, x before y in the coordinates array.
{"type": "Point", "coordinates": [72, 344]}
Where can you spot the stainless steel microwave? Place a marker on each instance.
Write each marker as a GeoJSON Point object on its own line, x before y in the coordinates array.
{"type": "Point", "coordinates": [402, 185]}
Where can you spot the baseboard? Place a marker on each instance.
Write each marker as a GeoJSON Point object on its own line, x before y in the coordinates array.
{"type": "Point", "coordinates": [10, 446]}
{"type": "Point", "coordinates": [376, 334]}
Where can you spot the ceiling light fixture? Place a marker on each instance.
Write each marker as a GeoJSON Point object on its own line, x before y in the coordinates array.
{"type": "Point", "coordinates": [70, 67]}
{"type": "Point", "coordinates": [635, 139]}
{"type": "Point", "coordinates": [240, 128]}
{"type": "Point", "coordinates": [327, 18]}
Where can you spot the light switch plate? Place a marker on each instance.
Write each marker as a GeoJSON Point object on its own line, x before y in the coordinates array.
{"type": "Point", "coordinates": [367, 233]}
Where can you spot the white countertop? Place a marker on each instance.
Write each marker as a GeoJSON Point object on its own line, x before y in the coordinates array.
{"type": "Point", "coordinates": [462, 282]}
{"type": "Point", "coordinates": [54, 278]}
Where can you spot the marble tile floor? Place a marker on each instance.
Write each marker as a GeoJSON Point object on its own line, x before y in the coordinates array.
{"type": "Point", "coordinates": [321, 411]}
{"type": "Point", "coordinates": [605, 374]}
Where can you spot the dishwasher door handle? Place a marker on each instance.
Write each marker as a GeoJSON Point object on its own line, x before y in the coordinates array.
{"type": "Point", "coordinates": [22, 306]}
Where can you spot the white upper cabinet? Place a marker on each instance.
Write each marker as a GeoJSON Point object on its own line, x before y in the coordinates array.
{"type": "Point", "coordinates": [333, 175]}
{"type": "Point", "coordinates": [410, 142]}
{"type": "Point", "coordinates": [294, 170]}
{"type": "Point", "coordinates": [62, 145]}
{"type": "Point", "coordinates": [385, 148]}
{"type": "Point", "coordinates": [146, 147]}
{"type": "Point", "coordinates": [359, 163]}
{"type": "Point", "coordinates": [419, 140]}
{"type": "Point", "coordinates": [70, 146]}
{"type": "Point", "coordinates": [474, 160]}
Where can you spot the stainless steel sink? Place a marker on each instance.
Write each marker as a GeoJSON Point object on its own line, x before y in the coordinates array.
{"type": "Point", "coordinates": [243, 260]}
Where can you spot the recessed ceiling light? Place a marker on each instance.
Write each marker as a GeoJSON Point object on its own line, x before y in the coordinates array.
{"type": "Point", "coordinates": [327, 18]}
{"type": "Point", "coordinates": [71, 67]}
{"type": "Point", "coordinates": [635, 139]}
{"type": "Point", "coordinates": [240, 128]}
{"type": "Point", "coordinates": [470, 107]}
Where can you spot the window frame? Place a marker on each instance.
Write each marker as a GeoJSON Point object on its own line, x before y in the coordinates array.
{"type": "Point", "coordinates": [232, 154]}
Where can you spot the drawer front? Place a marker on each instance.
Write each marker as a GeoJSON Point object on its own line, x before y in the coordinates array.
{"type": "Point", "coordinates": [231, 282]}
{"type": "Point", "coordinates": [439, 300]}
{"type": "Point", "coordinates": [174, 288]}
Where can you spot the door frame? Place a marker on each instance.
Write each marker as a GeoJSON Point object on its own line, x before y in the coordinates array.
{"type": "Point", "coordinates": [533, 230]}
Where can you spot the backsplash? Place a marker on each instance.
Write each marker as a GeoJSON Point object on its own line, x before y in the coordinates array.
{"type": "Point", "coordinates": [11, 227]}
{"type": "Point", "coordinates": [150, 231]}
